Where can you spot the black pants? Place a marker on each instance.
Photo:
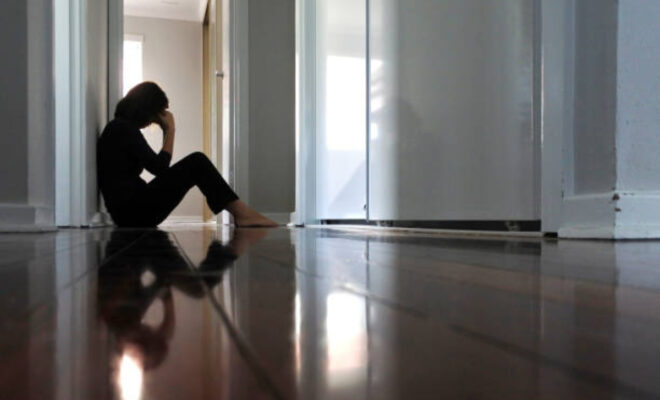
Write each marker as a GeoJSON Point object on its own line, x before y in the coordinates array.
{"type": "Point", "coordinates": [151, 206]}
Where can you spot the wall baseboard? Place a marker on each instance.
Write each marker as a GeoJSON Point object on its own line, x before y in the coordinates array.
{"type": "Point", "coordinates": [280, 218]}
{"type": "Point", "coordinates": [184, 219]}
{"type": "Point", "coordinates": [26, 218]}
{"type": "Point", "coordinates": [616, 215]}
{"type": "Point", "coordinates": [588, 216]}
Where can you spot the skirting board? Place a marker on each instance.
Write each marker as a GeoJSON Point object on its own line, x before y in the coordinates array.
{"type": "Point", "coordinates": [280, 218]}
{"type": "Point", "coordinates": [613, 215]}
{"type": "Point", "coordinates": [190, 219]}
{"type": "Point", "coordinates": [26, 218]}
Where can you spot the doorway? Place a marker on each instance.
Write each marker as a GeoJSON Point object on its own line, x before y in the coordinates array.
{"type": "Point", "coordinates": [164, 43]}
{"type": "Point", "coordinates": [207, 42]}
{"type": "Point", "coordinates": [449, 128]}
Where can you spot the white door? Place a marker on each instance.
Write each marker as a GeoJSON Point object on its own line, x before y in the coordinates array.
{"type": "Point", "coordinates": [451, 115]}
{"type": "Point", "coordinates": [446, 131]}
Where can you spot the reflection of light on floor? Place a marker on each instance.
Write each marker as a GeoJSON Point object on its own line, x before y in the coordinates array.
{"type": "Point", "coordinates": [130, 378]}
{"type": "Point", "coordinates": [297, 333]}
{"type": "Point", "coordinates": [347, 340]}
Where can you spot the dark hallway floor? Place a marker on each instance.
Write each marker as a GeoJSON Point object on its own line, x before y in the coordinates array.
{"type": "Point", "coordinates": [193, 313]}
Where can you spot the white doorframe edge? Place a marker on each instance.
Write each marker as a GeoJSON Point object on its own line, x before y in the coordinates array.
{"type": "Point", "coordinates": [78, 52]}
{"type": "Point", "coordinates": [71, 183]}
{"type": "Point", "coordinates": [115, 83]}
{"type": "Point", "coordinates": [71, 205]}
{"type": "Point", "coordinates": [305, 213]}
{"type": "Point", "coordinates": [234, 142]}
{"type": "Point", "coordinates": [239, 104]}
{"type": "Point", "coordinates": [558, 63]}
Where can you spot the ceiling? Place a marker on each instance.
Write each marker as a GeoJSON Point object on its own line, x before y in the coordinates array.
{"type": "Point", "coordinates": [187, 10]}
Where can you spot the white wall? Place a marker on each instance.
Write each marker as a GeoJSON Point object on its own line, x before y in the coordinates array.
{"type": "Point", "coordinates": [638, 117]}
{"type": "Point", "coordinates": [27, 199]}
{"type": "Point", "coordinates": [595, 96]}
{"type": "Point", "coordinates": [613, 185]}
{"type": "Point", "coordinates": [272, 106]}
{"type": "Point", "coordinates": [13, 102]}
{"type": "Point", "coordinates": [173, 59]}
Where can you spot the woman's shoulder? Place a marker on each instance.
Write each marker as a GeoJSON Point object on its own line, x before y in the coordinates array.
{"type": "Point", "coordinates": [119, 127]}
{"type": "Point", "coordinates": [121, 123]}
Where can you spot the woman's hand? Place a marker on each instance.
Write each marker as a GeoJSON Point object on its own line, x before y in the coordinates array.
{"type": "Point", "coordinates": [166, 122]}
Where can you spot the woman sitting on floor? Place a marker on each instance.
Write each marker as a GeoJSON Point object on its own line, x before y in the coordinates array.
{"type": "Point", "coordinates": [123, 153]}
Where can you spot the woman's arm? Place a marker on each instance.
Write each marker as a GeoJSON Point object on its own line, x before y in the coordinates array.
{"type": "Point", "coordinates": [166, 122]}
{"type": "Point", "coordinates": [137, 146]}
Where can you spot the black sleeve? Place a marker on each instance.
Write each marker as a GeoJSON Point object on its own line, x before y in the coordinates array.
{"type": "Point", "coordinates": [154, 163]}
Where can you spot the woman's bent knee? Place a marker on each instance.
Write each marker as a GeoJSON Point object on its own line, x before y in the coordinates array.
{"type": "Point", "coordinates": [198, 156]}
{"type": "Point", "coordinates": [197, 160]}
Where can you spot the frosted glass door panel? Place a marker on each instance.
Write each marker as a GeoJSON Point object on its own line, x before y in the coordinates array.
{"type": "Point", "coordinates": [341, 111]}
{"type": "Point", "coordinates": [451, 133]}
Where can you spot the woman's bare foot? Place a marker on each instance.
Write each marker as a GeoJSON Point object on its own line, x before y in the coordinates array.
{"type": "Point", "coordinates": [246, 217]}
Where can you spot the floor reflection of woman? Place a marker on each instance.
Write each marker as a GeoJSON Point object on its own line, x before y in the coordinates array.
{"type": "Point", "coordinates": [123, 153]}
{"type": "Point", "coordinates": [126, 291]}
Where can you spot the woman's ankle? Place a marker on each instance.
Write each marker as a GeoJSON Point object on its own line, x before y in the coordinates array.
{"type": "Point", "coordinates": [237, 208]}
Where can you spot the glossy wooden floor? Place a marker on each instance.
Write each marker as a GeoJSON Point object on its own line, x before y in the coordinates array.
{"type": "Point", "coordinates": [198, 313]}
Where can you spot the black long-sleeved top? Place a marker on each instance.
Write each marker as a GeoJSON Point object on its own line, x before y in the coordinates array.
{"type": "Point", "coordinates": [122, 154]}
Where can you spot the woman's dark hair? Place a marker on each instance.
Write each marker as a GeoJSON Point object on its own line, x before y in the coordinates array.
{"type": "Point", "coordinates": [142, 104]}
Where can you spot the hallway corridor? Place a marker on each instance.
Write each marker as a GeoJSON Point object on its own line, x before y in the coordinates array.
{"type": "Point", "coordinates": [191, 312]}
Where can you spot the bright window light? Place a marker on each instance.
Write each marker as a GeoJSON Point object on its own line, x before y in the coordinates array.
{"type": "Point", "coordinates": [132, 61]}
{"type": "Point", "coordinates": [346, 107]}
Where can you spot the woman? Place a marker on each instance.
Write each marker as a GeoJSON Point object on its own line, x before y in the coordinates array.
{"type": "Point", "coordinates": [123, 153]}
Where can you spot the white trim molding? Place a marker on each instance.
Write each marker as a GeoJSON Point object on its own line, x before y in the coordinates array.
{"type": "Point", "coordinates": [239, 92]}
{"type": "Point", "coordinates": [613, 215]}
{"type": "Point", "coordinates": [184, 219]}
{"type": "Point", "coordinates": [280, 218]}
{"type": "Point", "coordinates": [305, 113]}
{"type": "Point", "coordinates": [26, 218]}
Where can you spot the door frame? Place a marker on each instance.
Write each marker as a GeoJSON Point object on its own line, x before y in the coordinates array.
{"type": "Point", "coordinates": [73, 149]}
{"type": "Point", "coordinates": [230, 141]}
{"type": "Point", "coordinates": [236, 65]}
{"type": "Point", "coordinates": [63, 16]}
{"type": "Point", "coordinates": [71, 144]}
{"type": "Point", "coordinates": [207, 96]}
{"type": "Point", "coordinates": [226, 80]}
{"type": "Point", "coordinates": [305, 213]}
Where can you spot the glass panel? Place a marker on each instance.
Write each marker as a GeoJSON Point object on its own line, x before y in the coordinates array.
{"type": "Point", "coordinates": [341, 109]}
